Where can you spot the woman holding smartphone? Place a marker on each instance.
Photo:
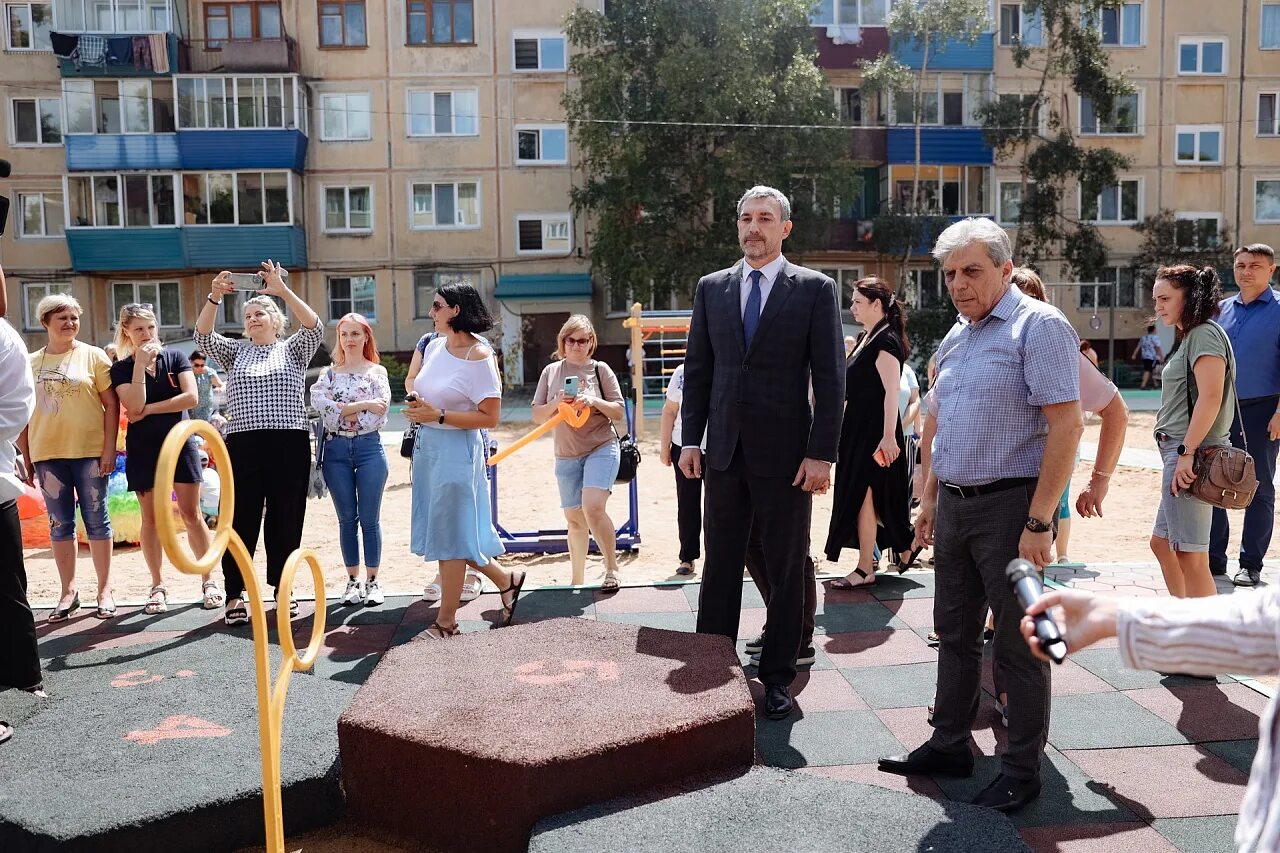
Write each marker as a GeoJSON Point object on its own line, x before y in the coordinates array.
{"type": "Point", "coordinates": [586, 458]}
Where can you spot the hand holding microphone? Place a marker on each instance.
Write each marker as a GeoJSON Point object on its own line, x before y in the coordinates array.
{"type": "Point", "coordinates": [1027, 588]}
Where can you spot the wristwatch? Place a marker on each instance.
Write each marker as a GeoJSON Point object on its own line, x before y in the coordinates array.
{"type": "Point", "coordinates": [440, 420]}
{"type": "Point", "coordinates": [1035, 525]}
{"type": "Point", "coordinates": [1182, 450]}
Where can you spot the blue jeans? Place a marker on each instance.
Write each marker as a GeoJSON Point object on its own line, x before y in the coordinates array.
{"type": "Point", "coordinates": [66, 482]}
{"type": "Point", "coordinates": [355, 470]}
{"type": "Point", "coordinates": [1259, 517]}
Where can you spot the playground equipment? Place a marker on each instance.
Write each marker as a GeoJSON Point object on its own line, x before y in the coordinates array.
{"type": "Point", "coordinates": [658, 343]}
{"type": "Point", "coordinates": [270, 698]}
{"type": "Point", "coordinates": [564, 414]}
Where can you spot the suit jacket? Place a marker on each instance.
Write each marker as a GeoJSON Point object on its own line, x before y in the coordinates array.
{"type": "Point", "coordinates": [760, 396]}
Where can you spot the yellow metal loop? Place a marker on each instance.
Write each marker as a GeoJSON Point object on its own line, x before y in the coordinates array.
{"type": "Point", "coordinates": [182, 560]}
{"type": "Point", "coordinates": [287, 647]}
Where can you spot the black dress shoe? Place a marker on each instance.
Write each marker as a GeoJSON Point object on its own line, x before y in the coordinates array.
{"type": "Point", "coordinates": [777, 701]}
{"type": "Point", "coordinates": [927, 761]}
{"type": "Point", "coordinates": [1007, 794]}
{"type": "Point", "coordinates": [1218, 570]}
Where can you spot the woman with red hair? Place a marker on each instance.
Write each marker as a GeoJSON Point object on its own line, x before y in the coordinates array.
{"type": "Point", "coordinates": [352, 398]}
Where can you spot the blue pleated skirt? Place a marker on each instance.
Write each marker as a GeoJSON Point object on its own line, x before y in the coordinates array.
{"type": "Point", "coordinates": [451, 516]}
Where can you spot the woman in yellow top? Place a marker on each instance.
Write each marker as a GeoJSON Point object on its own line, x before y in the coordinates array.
{"type": "Point", "coordinates": [70, 445]}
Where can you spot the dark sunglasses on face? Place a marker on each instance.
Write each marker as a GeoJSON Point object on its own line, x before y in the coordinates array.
{"type": "Point", "coordinates": [577, 342]}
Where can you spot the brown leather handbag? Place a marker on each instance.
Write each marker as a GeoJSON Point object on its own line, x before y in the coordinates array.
{"type": "Point", "coordinates": [1225, 475]}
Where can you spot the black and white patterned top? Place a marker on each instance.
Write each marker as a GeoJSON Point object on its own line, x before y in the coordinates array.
{"type": "Point", "coordinates": [265, 383]}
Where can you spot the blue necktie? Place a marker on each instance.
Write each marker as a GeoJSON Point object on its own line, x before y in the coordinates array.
{"type": "Point", "coordinates": [751, 319]}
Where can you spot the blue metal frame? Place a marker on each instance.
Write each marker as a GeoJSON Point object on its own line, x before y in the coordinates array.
{"type": "Point", "coordinates": [556, 541]}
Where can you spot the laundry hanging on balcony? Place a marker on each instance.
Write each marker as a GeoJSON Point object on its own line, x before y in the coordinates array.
{"type": "Point", "coordinates": [64, 44]}
{"type": "Point", "coordinates": [92, 51]}
{"type": "Point", "coordinates": [120, 50]}
{"type": "Point", "coordinates": [159, 52]}
{"type": "Point", "coordinates": [142, 53]}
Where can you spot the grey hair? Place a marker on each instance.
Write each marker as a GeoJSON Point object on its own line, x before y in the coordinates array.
{"type": "Point", "coordinates": [767, 192]}
{"type": "Point", "coordinates": [974, 230]}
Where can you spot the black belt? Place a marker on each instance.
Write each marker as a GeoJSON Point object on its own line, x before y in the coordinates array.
{"type": "Point", "coordinates": [987, 488]}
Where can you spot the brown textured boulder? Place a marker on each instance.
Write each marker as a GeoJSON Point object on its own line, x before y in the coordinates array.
{"type": "Point", "coordinates": [464, 744]}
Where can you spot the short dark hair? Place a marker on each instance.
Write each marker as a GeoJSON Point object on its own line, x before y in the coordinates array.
{"type": "Point", "coordinates": [473, 316]}
{"type": "Point", "coordinates": [1201, 293]}
{"type": "Point", "coordinates": [196, 355]}
{"type": "Point", "coordinates": [1256, 249]}
{"type": "Point", "coordinates": [1151, 327]}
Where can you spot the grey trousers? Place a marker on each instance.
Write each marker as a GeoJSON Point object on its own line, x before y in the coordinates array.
{"type": "Point", "coordinates": [975, 538]}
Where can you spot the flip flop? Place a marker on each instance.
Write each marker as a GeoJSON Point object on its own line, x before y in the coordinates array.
{"type": "Point", "coordinates": [509, 611]}
{"type": "Point", "coordinates": [843, 583]}
{"type": "Point", "coordinates": [6, 731]}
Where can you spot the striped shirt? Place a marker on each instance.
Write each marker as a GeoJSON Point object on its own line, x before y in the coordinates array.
{"type": "Point", "coordinates": [265, 383]}
{"type": "Point", "coordinates": [1207, 636]}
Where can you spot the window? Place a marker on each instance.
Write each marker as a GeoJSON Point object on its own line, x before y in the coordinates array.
{"type": "Point", "coordinates": [549, 234]}
{"type": "Point", "coordinates": [348, 209]}
{"type": "Point", "coordinates": [1202, 56]}
{"type": "Point", "coordinates": [342, 24]}
{"type": "Point", "coordinates": [345, 117]}
{"type": "Point", "coordinates": [902, 107]}
{"type": "Point", "coordinates": [845, 279]}
{"type": "Point", "coordinates": [112, 201]}
{"type": "Point", "coordinates": [1121, 25]}
{"type": "Point", "coordinates": [1028, 110]}
{"type": "Point", "coordinates": [1112, 283]}
{"type": "Point", "coordinates": [134, 106]}
{"type": "Point", "coordinates": [1196, 231]}
{"type": "Point", "coordinates": [440, 22]}
{"type": "Point", "coordinates": [1123, 120]}
{"type": "Point", "coordinates": [1268, 115]}
{"type": "Point", "coordinates": [849, 13]}
{"type": "Point", "coordinates": [1020, 26]}
{"type": "Point", "coordinates": [36, 121]}
{"type": "Point", "coordinates": [164, 297]}
{"type": "Point", "coordinates": [29, 25]}
{"type": "Point", "coordinates": [925, 289]}
{"type": "Point", "coordinates": [352, 294]}
{"type": "Point", "coordinates": [236, 198]}
{"type": "Point", "coordinates": [945, 190]}
{"type": "Point", "coordinates": [1266, 200]}
{"type": "Point", "coordinates": [40, 215]}
{"type": "Point", "coordinates": [32, 293]}
{"type": "Point", "coordinates": [452, 205]}
{"type": "Point", "coordinates": [426, 282]}
{"type": "Point", "coordinates": [1118, 203]}
{"type": "Point", "coordinates": [1010, 208]}
{"type": "Point", "coordinates": [849, 101]}
{"type": "Point", "coordinates": [444, 113]}
{"type": "Point", "coordinates": [113, 16]}
{"type": "Point", "coordinates": [1199, 144]}
{"type": "Point", "coordinates": [1269, 36]}
{"type": "Point", "coordinates": [240, 22]}
{"type": "Point", "coordinates": [538, 52]}
{"type": "Point", "coordinates": [246, 103]}
{"type": "Point", "coordinates": [545, 144]}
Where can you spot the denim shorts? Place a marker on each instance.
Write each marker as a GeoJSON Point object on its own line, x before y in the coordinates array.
{"type": "Point", "coordinates": [67, 482]}
{"type": "Point", "coordinates": [597, 470]}
{"type": "Point", "coordinates": [1182, 520]}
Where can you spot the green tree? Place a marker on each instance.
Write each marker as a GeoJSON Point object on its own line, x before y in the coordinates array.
{"type": "Point", "coordinates": [1061, 41]}
{"type": "Point", "coordinates": [1167, 240]}
{"type": "Point", "coordinates": [680, 106]}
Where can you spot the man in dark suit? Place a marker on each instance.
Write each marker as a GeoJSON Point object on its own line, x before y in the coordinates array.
{"type": "Point", "coordinates": [761, 331]}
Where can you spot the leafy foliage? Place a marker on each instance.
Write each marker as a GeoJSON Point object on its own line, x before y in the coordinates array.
{"type": "Point", "coordinates": [1167, 240]}
{"type": "Point", "coordinates": [667, 114]}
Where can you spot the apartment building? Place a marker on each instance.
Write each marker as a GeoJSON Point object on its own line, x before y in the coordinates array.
{"type": "Point", "coordinates": [376, 148]}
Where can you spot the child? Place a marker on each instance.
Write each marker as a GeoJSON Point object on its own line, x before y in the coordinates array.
{"type": "Point", "coordinates": [210, 491]}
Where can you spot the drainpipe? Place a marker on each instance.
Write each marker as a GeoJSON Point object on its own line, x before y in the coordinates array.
{"type": "Point", "coordinates": [1240, 125]}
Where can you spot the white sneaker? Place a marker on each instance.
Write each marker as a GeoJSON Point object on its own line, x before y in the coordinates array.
{"type": "Point", "coordinates": [432, 592]}
{"type": "Point", "coordinates": [373, 593]}
{"type": "Point", "coordinates": [471, 587]}
{"type": "Point", "coordinates": [353, 593]}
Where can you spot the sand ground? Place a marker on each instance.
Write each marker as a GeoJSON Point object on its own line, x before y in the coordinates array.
{"type": "Point", "coordinates": [528, 501]}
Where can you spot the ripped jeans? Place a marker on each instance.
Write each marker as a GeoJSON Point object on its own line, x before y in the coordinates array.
{"type": "Point", "coordinates": [66, 482]}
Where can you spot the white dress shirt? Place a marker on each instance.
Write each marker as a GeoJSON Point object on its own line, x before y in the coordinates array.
{"type": "Point", "coordinates": [769, 272]}
{"type": "Point", "coordinates": [17, 401]}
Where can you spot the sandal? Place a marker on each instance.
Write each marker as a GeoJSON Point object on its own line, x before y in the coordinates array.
{"type": "Point", "coordinates": [6, 731]}
{"type": "Point", "coordinates": [61, 614]}
{"type": "Point", "coordinates": [238, 615]}
{"type": "Point", "coordinates": [509, 610]}
{"type": "Point", "coordinates": [472, 586]}
{"type": "Point", "coordinates": [213, 597]}
{"type": "Point", "coordinates": [904, 565]}
{"type": "Point", "coordinates": [442, 631]}
{"type": "Point", "coordinates": [106, 610]}
{"type": "Point", "coordinates": [845, 584]}
{"type": "Point", "coordinates": [685, 568]}
{"type": "Point", "coordinates": [157, 601]}
{"type": "Point", "coordinates": [610, 582]}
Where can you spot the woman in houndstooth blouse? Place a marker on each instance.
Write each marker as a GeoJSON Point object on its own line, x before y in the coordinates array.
{"type": "Point", "coordinates": [268, 435]}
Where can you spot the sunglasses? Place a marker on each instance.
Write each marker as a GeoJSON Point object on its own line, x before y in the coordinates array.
{"type": "Point", "coordinates": [577, 342]}
{"type": "Point", "coordinates": [439, 306]}
{"type": "Point", "coordinates": [139, 306]}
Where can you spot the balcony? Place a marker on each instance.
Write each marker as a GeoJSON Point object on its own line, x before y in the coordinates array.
{"type": "Point", "coordinates": [867, 145]}
{"type": "Point", "coordinates": [233, 56]}
{"type": "Point", "coordinates": [76, 69]}
{"type": "Point", "coordinates": [952, 55]}
{"type": "Point", "coordinates": [187, 150]}
{"type": "Point", "coordinates": [940, 146]}
{"type": "Point", "coordinates": [832, 54]}
{"type": "Point", "coordinates": [191, 248]}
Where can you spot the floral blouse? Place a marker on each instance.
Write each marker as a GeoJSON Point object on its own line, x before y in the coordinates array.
{"type": "Point", "coordinates": [335, 389]}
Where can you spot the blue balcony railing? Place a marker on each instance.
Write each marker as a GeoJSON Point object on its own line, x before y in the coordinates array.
{"type": "Point", "coordinates": [187, 150]}
{"type": "Point", "coordinates": [190, 248]}
{"type": "Point", "coordinates": [951, 55]}
{"type": "Point", "coordinates": [940, 146]}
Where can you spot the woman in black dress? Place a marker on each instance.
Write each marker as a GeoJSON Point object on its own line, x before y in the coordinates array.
{"type": "Point", "coordinates": [871, 489]}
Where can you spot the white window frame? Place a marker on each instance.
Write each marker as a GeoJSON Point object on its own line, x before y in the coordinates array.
{"type": "Point", "coordinates": [1200, 42]}
{"type": "Point", "coordinates": [540, 128]}
{"type": "Point", "coordinates": [371, 316]}
{"type": "Point", "coordinates": [1275, 114]}
{"type": "Point", "coordinates": [69, 86]}
{"type": "Point", "coordinates": [1215, 215]}
{"type": "Point", "coordinates": [1261, 14]}
{"type": "Point", "coordinates": [964, 190]}
{"type": "Point", "coordinates": [1142, 27]}
{"type": "Point", "coordinates": [235, 198]}
{"type": "Point", "coordinates": [1023, 29]}
{"type": "Point", "coordinates": [347, 137]}
{"type": "Point", "coordinates": [1120, 181]}
{"type": "Point", "coordinates": [20, 215]}
{"type": "Point", "coordinates": [845, 278]}
{"type": "Point", "coordinates": [440, 277]}
{"type": "Point", "coordinates": [545, 219]}
{"type": "Point", "coordinates": [155, 305]}
{"type": "Point", "coordinates": [13, 136]}
{"type": "Point", "coordinates": [1084, 286]}
{"type": "Point", "coordinates": [455, 226]}
{"type": "Point", "coordinates": [1138, 125]}
{"type": "Point", "coordinates": [834, 20]}
{"type": "Point", "coordinates": [538, 36]}
{"type": "Point", "coordinates": [32, 324]}
{"type": "Point", "coordinates": [118, 24]}
{"type": "Point", "coordinates": [999, 212]}
{"type": "Point", "coordinates": [294, 119]}
{"type": "Point", "coordinates": [1198, 129]}
{"type": "Point", "coordinates": [1275, 179]}
{"type": "Point", "coordinates": [346, 208]}
{"type": "Point", "coordinates": [8, 41]}
{"type": "Point", "coordinates": [453, 112]}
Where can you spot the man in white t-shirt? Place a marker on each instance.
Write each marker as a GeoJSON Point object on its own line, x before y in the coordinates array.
{"type": "Point", "coordinates": [688, 490]}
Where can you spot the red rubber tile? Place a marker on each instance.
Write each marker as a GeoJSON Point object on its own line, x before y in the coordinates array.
{"type": "Point", "coordinates": [916, 612]}
{"type": "Point", "coordinates": [876, 648]}
{"type": "Point", "coordinates": [1165, 781]}
{"type": "Point", "coordinates": [133, 638]}
{"type": "Point", "coordinates": [844, 596]}
{"type": "Point", "coordinates": [350, 640]}
{"type": "Point", "coordinates": [751, 623]}
{"type": "Point", "coordinates": [84, 622]}
{"type": "Point", "coordinates": [1208, 712]}
{"type": "Point", "coordinates": [1071, 679]}
{"type": "Point", "coordinates": [870, 774]}
{"type": "Point", "coordinates": [1096, 838]}
{"type": "Point", "coordinates": [818, 690]}
{"type": "Point", "coordinates": [910, 726]}
{"type": "Point", "coordinates": [645, 599]}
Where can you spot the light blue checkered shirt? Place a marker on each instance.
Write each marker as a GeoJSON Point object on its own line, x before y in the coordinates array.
{"type": "Point", "coordinates": [993, 377]}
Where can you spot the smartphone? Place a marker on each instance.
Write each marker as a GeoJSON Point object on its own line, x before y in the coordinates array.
{"type": "Point", "coordinates": [253, 280]}
{"type": "Point", "coordinates": [571, 386]}
{"type": "Point", "coordinates": [411, 397]}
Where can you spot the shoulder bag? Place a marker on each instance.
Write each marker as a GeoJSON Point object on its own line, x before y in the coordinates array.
{"type": "Point", "coordinates": [628, 450]}
{"type": "Point", "coordinates": [1225, 475]}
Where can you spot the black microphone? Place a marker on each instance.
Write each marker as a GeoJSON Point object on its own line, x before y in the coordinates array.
{"type": "Point", "coordinates": [1027, 588]}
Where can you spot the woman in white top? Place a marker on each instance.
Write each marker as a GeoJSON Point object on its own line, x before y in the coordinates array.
{"type": "Point", "coordinates": [456, 394]}
{"type": "Point", "coordinates": [688, 490]}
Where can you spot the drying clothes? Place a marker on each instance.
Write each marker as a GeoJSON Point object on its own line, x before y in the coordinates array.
{"type": "Point", "coordinates": [159, 52]}
{"type": "Point", "coordinates": [64, 45]}
{"type": "Point", "coordinates": [120, 50]}
{"type": "Point", "coordinates": [142, 53]}
{"type": "Point", "coordinates": [93, 50]}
